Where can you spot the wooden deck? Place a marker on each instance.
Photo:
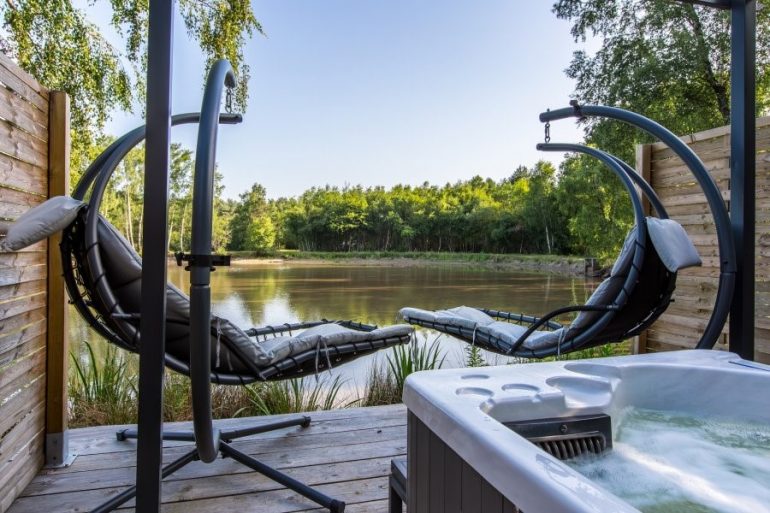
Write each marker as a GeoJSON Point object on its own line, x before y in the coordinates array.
{"type": "Point", "coordinates": [344, 453]}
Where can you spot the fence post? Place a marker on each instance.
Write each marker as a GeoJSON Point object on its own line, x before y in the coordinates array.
{"type": "Point", "coordinates": [643, 156]}
{"type": "Point", "coordinates": [57, 440]}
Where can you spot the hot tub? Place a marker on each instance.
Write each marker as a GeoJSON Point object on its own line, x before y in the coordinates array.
{"type": "Point", "coordinates": [464, 455]}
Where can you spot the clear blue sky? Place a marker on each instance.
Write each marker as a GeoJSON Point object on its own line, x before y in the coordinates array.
{"type": "Point", "coordinates": [385, 92]}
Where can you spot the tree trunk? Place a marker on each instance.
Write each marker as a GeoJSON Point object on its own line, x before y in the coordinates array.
{"type": "Point", "coordinates": [181, 227]}
{"type": "Point", "coordinates": [720, 90]}
{"type": "Point", "coordinates": [129, 222]}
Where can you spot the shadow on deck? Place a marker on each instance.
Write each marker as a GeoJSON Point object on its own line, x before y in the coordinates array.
{"type": "Point", "coordinates": [344, 453]}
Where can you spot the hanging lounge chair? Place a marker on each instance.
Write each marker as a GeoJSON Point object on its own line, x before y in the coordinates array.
{"type": "Point", "coordinates": [637, 291]}
{"type": "Point", "coordinates": [103, 276]}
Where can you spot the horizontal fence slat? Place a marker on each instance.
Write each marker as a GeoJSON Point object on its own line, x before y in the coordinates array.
{"type": "Point", "coordinates": [20, 435]}
{"type": "Point", "coordinates": [17, 322]}
{"type": "Point", "coordinates": [19, 145]}
{"type": "Point", "coordinates": [14, 203]}
{"type": "Point", "coordinates": [22, 83]}
{"type": "Point", "coordinates": [23, 348]}
{"type": "Point", "coordinates": [20, 370]}
{"type": "Point", "coordinates": [18, 306]}
{"type": "Point", "coordinates": [22, 258]}
{"type": "Point", "coordinates": [17, 111]}
{"type": "Point", "coordinates": [13, 346]}
{"type": "Point", "coordinates": [27, 289]}
{"type": "Point", "coordinates": [23, 175]}
{"type": "Point", "coordinates": [13, 275]}
{"type": "Point", "coordinates": [22, 402]}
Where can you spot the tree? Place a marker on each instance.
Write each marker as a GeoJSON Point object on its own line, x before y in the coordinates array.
{"type": "Point", "coordinates": [665, 59]}
{"type": "Point", "coordinates": [55, 42]}
{"type": "Point", "coordinates": [251, 226]}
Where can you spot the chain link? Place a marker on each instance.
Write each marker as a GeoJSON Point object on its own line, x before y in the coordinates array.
{"type": "Point", "coordinates": [547, 132]}
{"type": "Point", "coordinates": [229, 100]}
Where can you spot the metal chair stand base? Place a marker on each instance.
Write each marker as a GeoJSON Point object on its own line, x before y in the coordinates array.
{"type": "Point", "coordinates": [228, 451]}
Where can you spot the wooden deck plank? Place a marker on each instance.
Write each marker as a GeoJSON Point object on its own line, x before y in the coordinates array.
{"type": "Point", "coordinates": [343, 453]}
{"type": "Point", "coordinates": [217, 485]}
{"type": "Point", "coordinates": [102, 440]}
{"type": "Point", "coordinates": [389, 444]}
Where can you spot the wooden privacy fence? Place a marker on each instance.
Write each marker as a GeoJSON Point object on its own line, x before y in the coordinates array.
{"type": "Point", "coordinates": [684, 321]}
{"type": "Point", "coordinates": [34, 156]}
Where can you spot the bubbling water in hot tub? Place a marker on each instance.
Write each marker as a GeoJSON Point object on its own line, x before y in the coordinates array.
{"type": "Point", "coordinates": [668, 462]}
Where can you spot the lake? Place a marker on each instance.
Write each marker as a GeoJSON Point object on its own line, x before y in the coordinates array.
{"type": "Point", "coordinates": [275, 293]}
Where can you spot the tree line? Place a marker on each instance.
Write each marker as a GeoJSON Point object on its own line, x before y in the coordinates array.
{"type": "Point", "coordinates": [531, 211]}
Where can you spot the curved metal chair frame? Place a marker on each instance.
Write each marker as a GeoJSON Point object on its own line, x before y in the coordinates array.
{"type": "Point", "coordinates": [727, 254]}
{"type": "Point", "coordinates": [636, 306]}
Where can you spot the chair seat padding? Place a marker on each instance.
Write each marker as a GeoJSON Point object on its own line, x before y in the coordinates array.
{"type": "Point", "coordinates": [328, 335]}
{"type": "Point", "coordinates": [40, 222]}
{"type": "Point", "coordinates": [461, 316]}
{"type": "Point", "coordinates": [473, 319]}
{"type": "Point", "coordinates": [509, 333]}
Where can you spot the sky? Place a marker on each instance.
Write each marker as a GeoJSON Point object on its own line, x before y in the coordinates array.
{"type": "Point", "coordinates": [349, 92]}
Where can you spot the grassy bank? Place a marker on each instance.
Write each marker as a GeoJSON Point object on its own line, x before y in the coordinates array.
{"type": "Point", "coordinates": [556, 263]}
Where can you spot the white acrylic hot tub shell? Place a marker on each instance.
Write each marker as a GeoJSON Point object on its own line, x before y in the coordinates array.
{"type": "Point", "coordinates": [465, 408]}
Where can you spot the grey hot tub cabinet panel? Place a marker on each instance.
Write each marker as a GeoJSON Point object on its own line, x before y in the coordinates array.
{"type": "Point", "coordinates": [441, 482]}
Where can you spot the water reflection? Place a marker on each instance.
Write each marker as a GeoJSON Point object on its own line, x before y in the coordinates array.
{"type": "Point", "coordinates": [252, 295]}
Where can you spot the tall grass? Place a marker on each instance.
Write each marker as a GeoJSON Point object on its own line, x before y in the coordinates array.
{"type": "Point", "coordinates": [101, 392]}
{"type": "Point", "coordinates": [385, 383]}
{"type": "Point", "coordinates": [380, 388]}
{"type": "Point", "coordinates": [474, 356]}
{"type": "Point", "coordinates": [291, 396]}
{"type": "Point", "coordinates": [409, 358]}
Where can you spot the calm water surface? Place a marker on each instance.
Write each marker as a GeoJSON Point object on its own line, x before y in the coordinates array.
{"type": "Point", "coordinates": [270, 293]}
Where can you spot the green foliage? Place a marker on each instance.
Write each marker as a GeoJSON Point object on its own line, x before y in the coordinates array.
{"type": "Point", "coordinates": [666, 60]}
{"type": "Point", "coordinates": [473, 356]}
{"type": "Point", "coordinates": [380, 387]}
{"type": "Point", "coordinates": [56, 43]}
{"type": "Point", "coordinates": [406, 359]}
{"type": "Point", "coordinates": [597, 207]}
{"type": "Point", "coordinates": [251, 226]}
{"type": "Point", "coordinates": [102, 390]}
{"type": "Point", "coordinates": [291, 396]}
{"type": "Point", "coordinates": [123, 201]}
{"type": "Point", "coordinates": [516, 215]}
{"type": "Point", "coordinates": [385, 383]}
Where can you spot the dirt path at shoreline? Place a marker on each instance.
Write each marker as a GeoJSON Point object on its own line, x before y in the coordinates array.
{"type": "Point", "coordinates": [565, 267]}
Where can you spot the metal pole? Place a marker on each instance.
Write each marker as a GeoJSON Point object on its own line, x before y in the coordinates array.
{"type": "Point", "coordinates": [206, 435]}
{"type": "Point", "coordinates": [742, 172]}
{"type": "Point", "coordinates": [154, 229]}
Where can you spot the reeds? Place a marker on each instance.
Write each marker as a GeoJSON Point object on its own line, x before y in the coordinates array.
{"type": "Point", "coordinates": [385, 383]}
{"type": "Point", "coordinates": [291, 396]}
{"type": "Point", "coordinates": [101, 392]}
{"type": "Point", "coordinates": [104, 391]}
